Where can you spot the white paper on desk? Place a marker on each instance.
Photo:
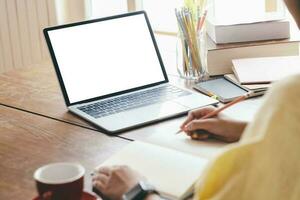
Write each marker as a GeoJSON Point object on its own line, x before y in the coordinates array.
{"type": "Point", "coordinates": [181, 142]}
{"type": "Point", "coordinates": [245, 110]}
{"type": "Point", "coordinates": [265, 70]}
{"type": "Point", "coordinates": [172, 172]}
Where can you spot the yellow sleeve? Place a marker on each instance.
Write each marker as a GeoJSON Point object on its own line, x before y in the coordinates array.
{"type": "Point", "coordinates": [265, 163]}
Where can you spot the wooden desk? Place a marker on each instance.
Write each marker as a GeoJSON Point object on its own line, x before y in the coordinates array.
{"type": "Point", "coordinates": [36, 128]}
{"type": "Point", "coordinates": [37, 90]}
{"type": "Point", "coordinates": [28, 141]}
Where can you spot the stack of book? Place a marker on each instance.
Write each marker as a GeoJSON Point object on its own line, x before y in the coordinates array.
{"type": "Point", "coordinates": [258, 89]}
{"type": "Point", "coordinates": [219, 56]}
{"type": "Point", "coordinates": [268, 29]}
{"type": "Point", "coordinates": [257, 74]}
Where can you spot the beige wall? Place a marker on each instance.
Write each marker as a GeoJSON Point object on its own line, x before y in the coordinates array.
{"type": "Point", "coordinates": [70, 10]}
{"type": "Point", "coordinates": [22, 42]}
{"type": "Point", "coordinates": [21, 39]}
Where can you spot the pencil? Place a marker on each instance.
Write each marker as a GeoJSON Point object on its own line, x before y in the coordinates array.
{"type": "Point", "coordinates": [202, 21]}
{"type": "Point", "coordinates": [188, 34]}
{"type": "Point", "coordinates": [217, 111]}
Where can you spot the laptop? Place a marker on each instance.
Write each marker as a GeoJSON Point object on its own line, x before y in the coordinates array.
{"type": "Point", "coordinates": [111, 73]}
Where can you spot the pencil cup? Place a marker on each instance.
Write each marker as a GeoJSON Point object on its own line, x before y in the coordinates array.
{"type": "Point", "coordinates": [191, 57]}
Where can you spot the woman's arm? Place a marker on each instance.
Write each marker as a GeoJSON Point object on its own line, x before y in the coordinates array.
{"type": "Point", "coordinates": [113, 182]}
{"type": "Point", "coordinates": [220, 126]}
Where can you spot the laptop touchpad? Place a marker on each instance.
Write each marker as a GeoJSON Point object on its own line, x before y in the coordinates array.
{"type": "Point", "coordinates": [141, 115]}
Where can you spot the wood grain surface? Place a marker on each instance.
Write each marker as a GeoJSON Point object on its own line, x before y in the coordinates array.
{"type": "Point", "coordinates": [37, 90]}
{"type": "Point", "coordinates": [28, 141]}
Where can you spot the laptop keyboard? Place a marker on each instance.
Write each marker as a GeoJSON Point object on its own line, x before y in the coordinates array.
{"type": "Point", "coordinates": [135, 100]}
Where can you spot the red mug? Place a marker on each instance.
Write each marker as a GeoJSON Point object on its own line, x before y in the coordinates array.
{"type": "Point", "coordinates": [60, 181]}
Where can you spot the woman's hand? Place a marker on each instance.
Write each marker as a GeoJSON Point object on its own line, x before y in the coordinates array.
{"type": "Point", "coordinates": [115, 181]}
{"type": "Point", "coordinates": [220, 126]}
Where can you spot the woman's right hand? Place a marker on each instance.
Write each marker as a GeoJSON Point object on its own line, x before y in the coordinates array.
{"type": "Point", "coordinates": [220, 126]}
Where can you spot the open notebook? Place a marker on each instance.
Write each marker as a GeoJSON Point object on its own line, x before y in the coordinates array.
{"type": "Point", "coordinates": [172, 163]}
{"type": "Point", "coordinates": [265, 70]}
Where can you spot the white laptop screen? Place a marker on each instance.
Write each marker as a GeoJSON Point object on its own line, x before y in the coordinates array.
{"type": "Point", "coordinates": [105, 57]}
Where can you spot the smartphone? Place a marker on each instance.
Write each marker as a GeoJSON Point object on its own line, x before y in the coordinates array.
{"type": "Point", "coordinates": [224, 90]}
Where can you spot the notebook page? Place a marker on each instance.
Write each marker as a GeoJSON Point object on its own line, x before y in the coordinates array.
{"type": "Point", "coordinates": [173, 173]}
{"type": "Point", "coordinates": [181, 142]}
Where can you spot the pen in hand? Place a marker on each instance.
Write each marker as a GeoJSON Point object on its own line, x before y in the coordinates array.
{"type": "Point", "coordinates": [217, 111]}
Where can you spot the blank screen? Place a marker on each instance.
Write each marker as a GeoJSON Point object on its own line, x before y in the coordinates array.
{"type": "Point", "coordinates": [105, 57]}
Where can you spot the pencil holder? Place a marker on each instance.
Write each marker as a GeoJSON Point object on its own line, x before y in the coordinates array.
{"type": "Point", "coordinates": [191, 57]}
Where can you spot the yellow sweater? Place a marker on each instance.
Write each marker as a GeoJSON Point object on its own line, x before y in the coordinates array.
{"type": "Point", "coordinates": [265, 163]}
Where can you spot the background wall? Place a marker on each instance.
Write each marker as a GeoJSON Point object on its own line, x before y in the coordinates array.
{"type": "Point", "coordinates": [22, 42]}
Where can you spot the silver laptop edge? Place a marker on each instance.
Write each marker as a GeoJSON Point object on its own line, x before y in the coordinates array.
{"type": "Point", "coordinates": [136, 117]}
{"type": "Point", "coordinates": [75, 82]}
